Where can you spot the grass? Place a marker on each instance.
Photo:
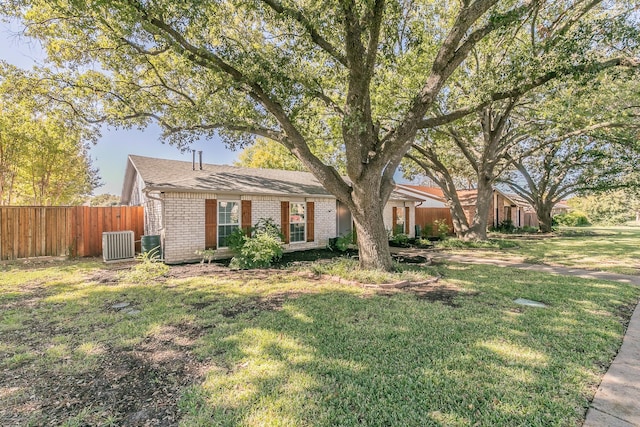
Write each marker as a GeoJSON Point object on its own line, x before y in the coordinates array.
{"type": "Point", "coordinates": [348, 268]}
{"type": "Point", "coordinates": [613, 249]}
{"type": "Point", "coordinates": [277, 349]}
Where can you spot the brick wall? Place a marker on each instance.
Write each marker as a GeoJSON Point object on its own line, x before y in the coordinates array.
{"type": "Point", "coordinates": [185, 231]}
{"type": "Point", "coordinates": [184, 228]}
{"type": "Point", "coordinates": [184, 217]}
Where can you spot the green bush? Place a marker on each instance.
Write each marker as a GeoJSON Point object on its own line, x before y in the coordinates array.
{"type": "Point", "coordinates": [258, 251]}
{"type": "Point", "coordinates": [505, 226]}
{"type": "Point", "coordinates": [343, 242]}
{"type": "Point", "coordinates": [571, 219]}
{"type": "Point", "coordinates": [400, 239]}
{"type": "Point", "coordinates": [427, 230]}
{"type": "Point", "coordinates": [442, 228]}
{"type": "Point", "coordinates": [235, 240]}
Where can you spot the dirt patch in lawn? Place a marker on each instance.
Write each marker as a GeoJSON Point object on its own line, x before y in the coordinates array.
{"type": "Point", "coordinates": [137, 386]}
{"type": "Point", "coordinates": [433, 291]}
{"type": "Point", "coordinates": [256, 305]}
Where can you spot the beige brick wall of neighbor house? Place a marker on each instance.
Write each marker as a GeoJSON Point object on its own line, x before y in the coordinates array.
{"type": "Point", "coordinates": [388, 215]}
{"type": "Point", "coordinates": [184, 228]}
{"type": "Point", "coordinates": [185, 231]}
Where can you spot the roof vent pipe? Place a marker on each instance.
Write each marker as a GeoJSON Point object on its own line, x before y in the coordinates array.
{"type": "Point", "coordinates": [200, 157]}
{"type": "Point", "coordinates": [193, 163]}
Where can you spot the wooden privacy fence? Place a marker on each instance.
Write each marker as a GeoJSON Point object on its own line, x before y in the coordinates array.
{"type": "Point", "coordinates": [27, 231]}
{"type": "Point", "coordinates": [426, 216]}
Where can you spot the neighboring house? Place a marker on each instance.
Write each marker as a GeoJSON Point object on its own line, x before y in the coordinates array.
{"type": "Point", "coordinates": [193, 207]}
{"type": "Point", "coordinates": [562, 207]}
{"type": "Point", "coordinates": [503, 206]}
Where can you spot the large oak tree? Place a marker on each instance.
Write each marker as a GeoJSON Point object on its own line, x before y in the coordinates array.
{"type": "Point", "coordinates": [367, 72]}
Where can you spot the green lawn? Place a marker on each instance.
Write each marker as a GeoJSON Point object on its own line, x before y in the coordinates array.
{"type": "Point", "coordinates": [214, 347]}
{"type": "Point", "coordinates": [615, 249]}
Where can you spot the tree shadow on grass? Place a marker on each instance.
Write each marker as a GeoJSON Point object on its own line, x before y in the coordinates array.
{"type": "Point", "coordinates": [214, 351]}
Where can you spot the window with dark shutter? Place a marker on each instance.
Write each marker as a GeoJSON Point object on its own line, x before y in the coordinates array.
{"type": "Point", "coordinates": [284, 220]}
{"type": "Point", "coordinates": [310, 221]}
{"type": "Point", "coordinates": [210, 223]}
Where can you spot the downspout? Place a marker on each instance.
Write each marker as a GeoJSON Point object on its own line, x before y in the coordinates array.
{"type": "Point", "coordinates": [148, 195]}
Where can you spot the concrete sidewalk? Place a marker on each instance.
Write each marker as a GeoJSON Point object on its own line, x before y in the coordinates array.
{"type": "Point", "coordinates": [617, 401]}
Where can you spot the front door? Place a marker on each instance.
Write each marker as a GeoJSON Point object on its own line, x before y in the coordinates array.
{"type": "Point", "coordinates": [343, 219]}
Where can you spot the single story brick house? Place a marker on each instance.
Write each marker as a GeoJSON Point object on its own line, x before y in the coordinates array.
{"type": "Point", "coordinates": [503, 205]}
{"type": "Point", "coordinates": [196, 206]}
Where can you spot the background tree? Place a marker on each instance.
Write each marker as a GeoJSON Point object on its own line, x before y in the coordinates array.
{"type": "Point", "coordinates": [614, 207]}
{"type": "Point", "coordinates": [264, 153]}
{"type": "Point", "coordinates": [366, 72]}
{"type": "Point", "coordinates": [484, 142]}
{"type": "Point", "coordinates": [44, 157]}
{"type": "Point", "coordinates": [578, 165]}
{"type": "Point", "coordinates": [598, 152]}
{"type": "Point", "coordinates": [104, 200]}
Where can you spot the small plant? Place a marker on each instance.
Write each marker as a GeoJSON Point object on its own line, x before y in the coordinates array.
{"type": "Point", "coordinates": [206, 254]}
{"type": "Point", "coordinates": [343, 242]}
{"type": "Point", "coordinates": [423, 243]}
{"type": "Point", "coordinates": [505, 226]}
{"type": "Point", "coordinates": [427, 230]}
{"type": "Point", "coordinates": [258, 251]}
{"type": "Point", "coordinates": [441, 227]}
{"type": "Point", "coordinates": [149, 267]}
{"type": "Point", "coordinates": [401, 239]}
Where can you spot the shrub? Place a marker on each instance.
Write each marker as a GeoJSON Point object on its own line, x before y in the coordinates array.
{"type": "Point", "coordinates": [571, 219]}
{"type": "Point", "coordinates": [235, 240]}
{"type": "Point", "coordinates": [427, 230]}
{"type": "Point", "coordinates": [505, 226]}
{"type": "Point", "coordinates": [258, 251]}
{"type": "Point", "coordinates": [400, 239]}
{"type": "Point", "coordinates": [529, 229]}
{"type": "Point", "coordinates": [343, 242]}
{"type": "Point", "coordinates": [442, 228]}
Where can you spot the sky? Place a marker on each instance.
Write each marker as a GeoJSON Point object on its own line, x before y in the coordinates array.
{"type": "Point", "coordinates": [110, 153]}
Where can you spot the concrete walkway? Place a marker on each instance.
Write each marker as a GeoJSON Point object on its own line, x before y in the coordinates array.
{"type": "Point", "coordinates": [617, 401]}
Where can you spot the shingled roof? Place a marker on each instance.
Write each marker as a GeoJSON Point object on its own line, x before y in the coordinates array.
{"type": "Point", "coordinates": [175, 175]}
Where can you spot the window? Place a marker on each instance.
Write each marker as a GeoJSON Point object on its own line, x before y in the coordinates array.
{"type": "Point", "coordinates": [228, 221]}
{"type": "Point", "coordinates": [296, 222]}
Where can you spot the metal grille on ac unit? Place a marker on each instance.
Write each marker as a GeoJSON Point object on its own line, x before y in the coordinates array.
{"type": "Point", "coordinates": [118, 245]}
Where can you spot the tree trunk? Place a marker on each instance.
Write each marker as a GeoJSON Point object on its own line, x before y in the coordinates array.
{"type": "Point", "coordinates": [373, 241]}
{"type": "Point", "coordinates": [543, 212]}
{"type": "Point", "coordinates": [458, 216]}
{"type": "Point", "coordinates": [478, 227]}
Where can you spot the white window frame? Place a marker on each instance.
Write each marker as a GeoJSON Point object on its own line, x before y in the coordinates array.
{"type": "Point", "coordinates": [220, 224]}
{"type": "Point", "coordinates": [303, 222]}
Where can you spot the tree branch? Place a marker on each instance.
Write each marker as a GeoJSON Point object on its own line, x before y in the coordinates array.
{"type": "Point", "coordinates": [299, 17]}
